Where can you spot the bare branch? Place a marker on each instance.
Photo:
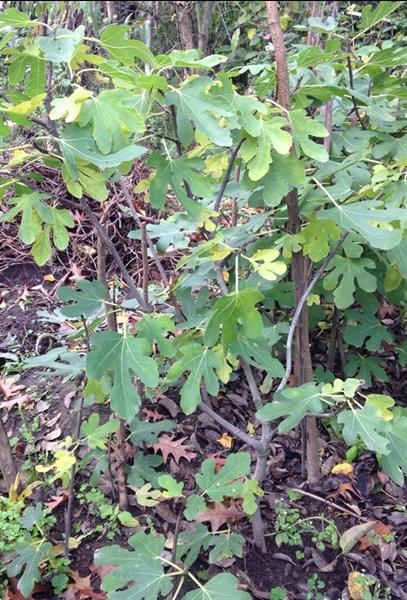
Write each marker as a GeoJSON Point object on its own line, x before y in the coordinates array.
{"type": "Point", "coordinates": [299, 308]}
{"type": "Point", "coordinates": [227, 176]}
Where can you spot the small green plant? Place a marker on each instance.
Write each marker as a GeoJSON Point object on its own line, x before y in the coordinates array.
{"type": "Point", "coordinates": [369, 587]}
{"type": "Point", "coordinates": [315, 585]}
{"type": "Point", "coordinates": [11, 528]}
{"type": "Point", "coordinates": [111, 516]}
{"type": "Point", "coordinates": [23, 534]}
{"type": "Point", "coordinates": [278, 593]}
{"type": "Point", "coordinates": [290, 529]}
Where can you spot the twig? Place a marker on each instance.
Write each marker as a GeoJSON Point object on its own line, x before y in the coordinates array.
{"type": "Point", "coordinates": [121, 473]}
{"type": "Point", "coordinates": [355, 106]}
{"type": "Point", "coordinates": [112, 249]}
{"type": "Point", "coordinates": [238, 433]}
{"type": "Point", "coordinates": [177, 530]}
{"type": "Point", "coordinates": [330, 363]}
{"type": "Point", "coordinates": [227, 176]}
{"type": "Point", "coordinates": [299, 308]}
{"type": "Point", "coordinates": [144, 258]}
{"type": "Point", "coordinates": [236, 178]}
{"type": "Point", "coordinates": [109, 467]}
{"type": "Point", "coordinates": [328, 503]}
{"type": "Point", "coordinates": [68, 514]}
{"type": "Point", "coordinates": [153, 251]}
{"type": "Point", "coordinates": [101, 275]}
{"type": "Point", "coordinates": [177, 141]}
{"type": "Point", "coordinates": [262, 446]}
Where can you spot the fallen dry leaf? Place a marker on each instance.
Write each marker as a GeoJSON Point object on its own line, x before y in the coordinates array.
{"type": "Point", "coordinates": [219, 460]}
{"type": "Point", "coordinates": [53, 435]}
{"type": "Point", "coordinates": [342, 469]}
{"type": "Point", "coordinates": [101, 570]}
{"type": "Point", "coordinates": [377, 534]}
{"type": "Point", "coordinates": [357, 585]}
{"type": "Point", "coordinates": [352, 536]}
{"type": "Point", "coordinates": [386, 309]}
{"type": "Point", "coordinates": [82, 586]}
{"type": "Point", "coordinates": [226, 441]}
{"type": "Point", "coordinates": [11, 393]}
{"type": "Point", "coordinates": [176, 448]}
{"type": "Point", "coordinates": [342, 490]}
{"type": "Point", "coordinates": [219, 514]}
{"type": "Point", "coordinates": [152, 414]}
{"type": "Point", "coordinates": [56, 501]}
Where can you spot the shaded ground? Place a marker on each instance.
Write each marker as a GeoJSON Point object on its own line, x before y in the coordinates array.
{"type": "Point", "coordinates": [48, 417]}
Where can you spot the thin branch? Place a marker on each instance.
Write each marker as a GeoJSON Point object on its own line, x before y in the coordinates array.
{"type": "Point", "coordinates": [355, 106]}
{"type": "Point", "coordinates": [227, 176]}
{"type": "Point", "coordinates": [238, 433]}
{"type": "Point", "coordinates": [299, 308]}
{"type": "Point", "coordinates": [328, 503]}
{"type": "Point", "coordinates": [220, 279]}
{"type": "Point", "coordinates": [262, 446]}
{"type": "Point", "coordinates": [69, 508]}
{"type": "Point", "coordinates": [177, 530]}
{"type": "Point", "coordinates": [153, 251]}
{"type": "Point", "coordinates": [144, 257]}
{"type": "Point", "coordinates": [112, 249]}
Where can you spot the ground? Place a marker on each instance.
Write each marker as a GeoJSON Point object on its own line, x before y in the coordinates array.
{"type": "Point", "coordinates": [346, 500]}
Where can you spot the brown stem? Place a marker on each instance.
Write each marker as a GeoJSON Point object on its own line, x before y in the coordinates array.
{"type": "Point", "coordinates": [226, 178]}
{"type": "Point", "coordinates": [112, 249]}
{"type": "Point", "coordinates": [8, 465]}
{"type": "Point", "coordinates": [328, 124]}
{"type": "Point", "coordinates": [101, 275]}
{"type": "Point", "coordinates": [109, 468]}
{"type": "Point", "coordinates": [303, 362]}
{"type": "Point", "coordinates": [262, 446]}
{"type": "Point", "coordinates": [314, 13]}
{"type": "Point", "coordinates": [144, 257]}
{"type": "Point", "coordinates": [204, 24]}
{"type": "Point", "coordinates": [121, 434]}
{"type": "Point", "coordinates": [177, 530]}
{"type": "Point", "coordinates": [69, 508]}
{"type": "Point", "coordinates": [330, 363]}
{"type": "Point", "coordinates": [153, 251]}
{"type": "Point", "coordinates": [185, 24]}
{"type": "Point", "coordinates": [236, 178]}
{"type": "Point", "coordinates": [121, 473]}
{"type": "Point", "coordinates": [355, 106]}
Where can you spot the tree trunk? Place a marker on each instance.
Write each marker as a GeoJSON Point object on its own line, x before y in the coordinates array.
{"type": "Point", "coordinates": [185, 24]}
{"type": "Point", "coordinates": [204, 24]}
{"type": "Point", "coordinates": [303, 362]}
{"type": "Point", "coordinates": [7, 463]}
{"type": "Point", "coordinates": [111, 10]}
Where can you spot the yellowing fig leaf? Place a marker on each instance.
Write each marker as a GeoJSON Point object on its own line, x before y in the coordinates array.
{"type": "Point", "coordinates": [382, 404]}
{"type": "Point", "coordinates": [266, 265]}
{"type": "Point", "coordinates": [342, 469]}
{"type": "Point", "coordinates": [68, 108]}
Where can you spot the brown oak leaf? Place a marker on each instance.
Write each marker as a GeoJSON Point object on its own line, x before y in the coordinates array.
{"type": "Point", "coordinates": [176, 448]}
{"type": "Point", "coordinates": [12, 394]}
{"type": "Point", "coordinates": [56, 500]}
{"type": "Point", "coordinates": [150, 413]}
{"type": "Point", "coordinates": [342, 490]}
{"type": "Point", "coordinates": [375, 536]}
{"type": "Point", "coordinates": [82, 587]}
{"type": "Point", "coordinates": [218, 514]}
